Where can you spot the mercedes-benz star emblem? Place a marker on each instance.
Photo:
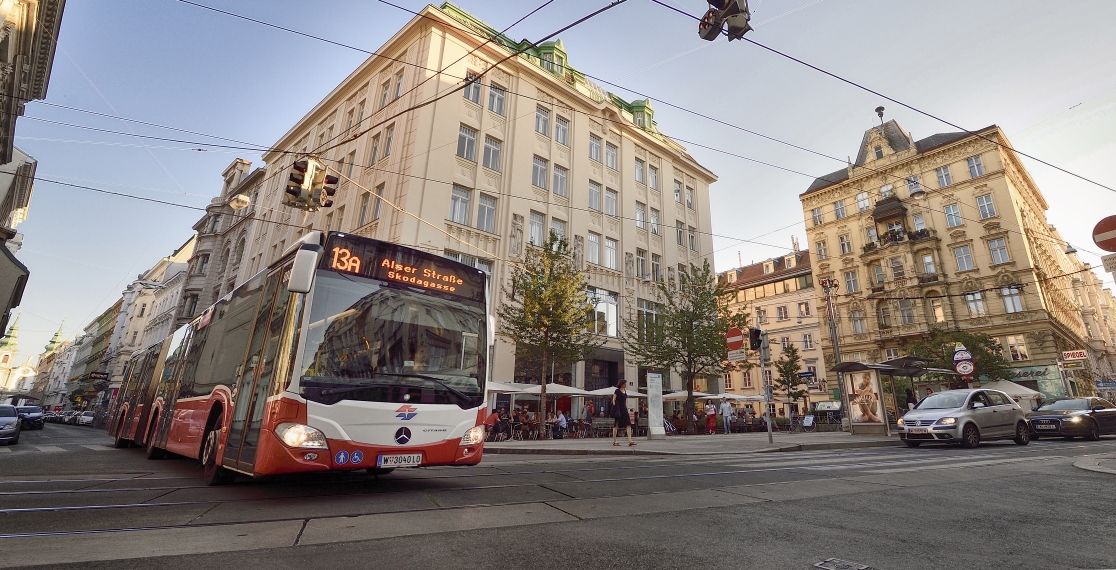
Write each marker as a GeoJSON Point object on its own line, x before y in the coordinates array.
{"type": "Point", "coordinates": [402, 436]}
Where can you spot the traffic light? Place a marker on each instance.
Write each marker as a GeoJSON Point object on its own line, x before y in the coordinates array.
{"type": "Point", "coordinates": [711, 25]}
{"type": "Point", "coordinates": [323, 194]}
{"type": "Point", "coordinates": [754, 341]}
{"type": "Point", "coordinates": [300, 182]}
{"type": "Point", "coordinates": [735, 13]}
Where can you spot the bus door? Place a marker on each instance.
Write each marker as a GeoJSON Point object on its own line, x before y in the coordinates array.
{"type": "Point", "coordinates": [145, 391]}
{"type": "Point", "coordinates": [170, 380]}
{"type": "Point", "coordinates": [260, 369]}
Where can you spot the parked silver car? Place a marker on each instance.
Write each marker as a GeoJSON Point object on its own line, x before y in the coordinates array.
{"type": "Point", "coordinates": [965, 417]}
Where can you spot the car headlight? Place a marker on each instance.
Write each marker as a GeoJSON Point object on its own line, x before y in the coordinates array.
{"type": "Point", "coordinates": [947, 421]}
{"type": "Point", "coordinates": [474, 436]}
{"type": "Point", "coordinates": [900, 422]}
{"type": "Point", "coordinates": [1074, 419]}
{"type": "Point", "coordinates": [299, 435]}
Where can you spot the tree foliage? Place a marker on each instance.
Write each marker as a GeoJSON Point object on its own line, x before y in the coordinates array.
{"type": "Point", "coordinates": [548, 314]}
{"type": "Point", "coordinates": [788, 366]}
{"type": "Point", "coordinates": [987, 357]}
{"type": "Point", "coordinates": [686, 333]}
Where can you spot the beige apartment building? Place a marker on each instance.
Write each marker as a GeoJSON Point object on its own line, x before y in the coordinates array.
{"type": "Point", "coordinates": [779, 295]}
{"type": "Point", "coordinates": [499, 157]}
{"type": "Point", "coordinates": [949, 231]}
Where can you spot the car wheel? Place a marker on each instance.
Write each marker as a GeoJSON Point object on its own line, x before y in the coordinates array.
{"type": "Point", "coordinates": [1022, 434]}
{"type": "Point", "coordinates": [970, 436]}
{"type": "Point", "coordinates": [912, 443]}
{"type": "Point", "coordinates": [1094, 432]}
{"type": "Point", "coordinates": [214, 474]}
{"type": "Point", "coordinates": [380, 470]}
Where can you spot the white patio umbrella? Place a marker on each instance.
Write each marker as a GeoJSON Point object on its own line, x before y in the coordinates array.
{"type": "Point", "coordinates": [607, 392]}
{"type": "Point", "coordinates": [553, 389]}
{"type": "Point", "coordinates": [681, 396]}
{"type": "Point", "coordinates": [733, 397]}
{"type": "Point", "coordinates": [504, 388]}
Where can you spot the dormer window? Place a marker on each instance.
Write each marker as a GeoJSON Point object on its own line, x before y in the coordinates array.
{"type": "Point", "coordinates": [768, 267]}
{"type": "Point", "coordinates": [790, 261]}
{"type": "Point", "coordinates": [731, 275]}
{"type": "Point", "coordinates": [879, 152]}
{"type": "Point", "coordinates": [638, 119]}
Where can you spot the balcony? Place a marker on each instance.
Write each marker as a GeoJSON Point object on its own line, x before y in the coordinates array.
{"type": "Point", "coordinates": [887, 238]}
{"type": "Point", "coordinates": [923, 234]}
{"type": "Point", "coordinates": [928, 278]}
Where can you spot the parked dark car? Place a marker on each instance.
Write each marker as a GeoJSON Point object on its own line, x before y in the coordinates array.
{"type": "Point", "coordinates": [1070, 417]}
{"type": "Point", "coordinates": [10, 425]}
{"type": "Point", "coordinates": [32, 416]}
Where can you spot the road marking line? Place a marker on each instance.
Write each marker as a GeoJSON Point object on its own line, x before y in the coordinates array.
{"type": "Point", "coordinates": [961, 465]}
{"type": "Point", "coordinates": [5, 450]}
{"type": "Point", "coordinates": [49, 448]}
{"type": "Point", "coordinates": [99, 447]}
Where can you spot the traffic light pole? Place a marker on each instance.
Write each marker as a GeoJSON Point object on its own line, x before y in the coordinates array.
{"type": "Point", "coordinates": [829, 288]}
{"type": "Point", "coordinates": [768, 390]}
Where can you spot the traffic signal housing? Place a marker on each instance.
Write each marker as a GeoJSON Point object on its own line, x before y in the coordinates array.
{"type": "Point", "coordinates": [302, 178]}
{"type": "Point", "coordinates": [754, 340]}
{"type": "Point", "coordinates": [734, 13]}
{"type": "Point", "coordinates": [324, 194]}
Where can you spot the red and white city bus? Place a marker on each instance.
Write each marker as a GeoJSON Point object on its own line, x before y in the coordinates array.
{"type": "Point", "coordinates": [347, 353]}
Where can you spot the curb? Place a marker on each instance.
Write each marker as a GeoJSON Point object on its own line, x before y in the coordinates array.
{"type": "Point", "coordinates": [621, 452]}
{"type": "Point", "coordinates": [825, 446]}
{"type": "Point", "coordinates": [538, 451]}
{"type": "Point", "coordinates": [1093, 464]}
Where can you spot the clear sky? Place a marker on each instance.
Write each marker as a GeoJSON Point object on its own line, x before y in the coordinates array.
{"type": "Point", "coordinates": [1045, 72]}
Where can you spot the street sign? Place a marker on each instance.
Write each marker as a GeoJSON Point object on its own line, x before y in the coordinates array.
{"type": "Point", "coordinates": [1074, 355]}
{"type": "Point", "coordinates": [807, 374]}
{"type": "Point", "coordinates": [1104, 234]}
{"type": "Point", "coordinates": [1072, 365]}
{"type": "Point", "coordinates": [737, 355]}
{"type": "Point", "coordinates": [1109, 262]}
{"type": "Point", "coordinates": [964, 367]}
{"type": "Point", "coordinates": [734, 338]}
{"type": "Point", "coordinates": [962, 355]}
{"type": "Point", "coordinates": [1106, 385]}
{"type": "Point", "coordinates": [768, 393]}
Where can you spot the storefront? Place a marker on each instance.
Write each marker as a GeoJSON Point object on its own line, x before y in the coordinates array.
{"type": "Point", "coordinates": [1046, 379]}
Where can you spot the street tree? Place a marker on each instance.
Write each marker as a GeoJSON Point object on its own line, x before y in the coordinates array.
{"type": "Point", "coordinates": [788, 366]}
{"type": "Point", "coordinates": [683, 329]}
{"type": "Point", "coordinates": [939, 346]}
{"type": "Point", "coordinates": [547, 314]}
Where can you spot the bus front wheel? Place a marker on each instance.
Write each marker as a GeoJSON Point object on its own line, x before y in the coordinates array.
{"type": "Point", "coordinates": [214, 474]}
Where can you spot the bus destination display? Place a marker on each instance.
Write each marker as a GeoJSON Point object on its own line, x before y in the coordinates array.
{"type": "Point", "coordinates": [379, 260]}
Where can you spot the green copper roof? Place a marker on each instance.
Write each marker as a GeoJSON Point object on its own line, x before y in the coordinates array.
{"type": "Point", "coordinates": [9, 341]}
{"type": "Point", "coordinates": [56, 340]}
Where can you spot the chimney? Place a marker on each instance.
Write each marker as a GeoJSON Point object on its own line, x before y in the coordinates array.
{"type": "Point", "coordinates": [739, 259]}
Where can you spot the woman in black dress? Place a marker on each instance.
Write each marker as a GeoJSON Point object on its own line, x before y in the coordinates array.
{"type": "Point", "coordinates": [620, 411]}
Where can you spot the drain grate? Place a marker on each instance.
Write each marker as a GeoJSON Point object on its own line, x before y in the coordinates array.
{"type": "Point", "coordinates": [838, 564]}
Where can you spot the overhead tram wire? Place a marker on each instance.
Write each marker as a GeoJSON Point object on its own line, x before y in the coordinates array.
{"type": "Point", "coordinates": [896, 101]}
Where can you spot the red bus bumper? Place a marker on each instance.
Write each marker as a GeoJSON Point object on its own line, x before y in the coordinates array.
{"type": "Point", "coordinates": [274, 458]}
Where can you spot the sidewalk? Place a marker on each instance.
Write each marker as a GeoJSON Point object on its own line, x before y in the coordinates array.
{"type": "Point", "coordinates": [692, 444]}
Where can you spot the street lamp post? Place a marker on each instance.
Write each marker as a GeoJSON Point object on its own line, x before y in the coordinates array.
{"type": "Point", "coordinates": [829, 289]}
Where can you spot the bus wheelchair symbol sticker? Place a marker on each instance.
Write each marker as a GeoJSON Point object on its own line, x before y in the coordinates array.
{"type": "Point", "coordinates": [356, 457]}
{"type": "Point", "coordinates": [342, 457]}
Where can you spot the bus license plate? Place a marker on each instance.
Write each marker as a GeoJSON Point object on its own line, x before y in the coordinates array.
{"type": "Point", "coordinates": [918, 430]}
{"type": "Point", "coordinates": [410, 460]}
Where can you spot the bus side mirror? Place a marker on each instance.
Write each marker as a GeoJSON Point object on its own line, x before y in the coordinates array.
{"type": "Point", "coordinates": [302, 272]}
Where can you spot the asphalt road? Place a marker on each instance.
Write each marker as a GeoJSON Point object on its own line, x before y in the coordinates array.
{"type": "Point", "coordinates": [69, 500]}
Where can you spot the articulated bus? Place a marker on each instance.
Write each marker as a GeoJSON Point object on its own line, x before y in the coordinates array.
{"type": "Point", "coordinates": [347, 353]}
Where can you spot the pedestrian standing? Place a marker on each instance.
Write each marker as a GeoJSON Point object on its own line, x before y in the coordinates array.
{"type": "Point", "coordinates": [620, 412]}
{"type": "Point", "coordinates": [911, 400]}
{"type": "Point", "coordinates": [726, 415]}
{"type": "Point", "coordinates": [710, 417]}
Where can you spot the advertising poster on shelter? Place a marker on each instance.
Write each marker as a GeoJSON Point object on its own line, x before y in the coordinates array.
{"type": "Point", "coordinates": [864, 397]}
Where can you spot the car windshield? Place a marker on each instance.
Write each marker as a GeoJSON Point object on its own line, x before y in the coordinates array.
{"type": "Point", "coordinates": [7, 412]}
{"type": "Point", "coordinates": [943, 401]}
{"type": "Point", "coordinates": [1064, 405]}
{"type": "Point", "coordinates": [374, 341]}
{"type": "Point", "coordinates": [29, 410]}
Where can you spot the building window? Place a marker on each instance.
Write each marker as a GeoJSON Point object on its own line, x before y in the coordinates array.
{"type": "Point", "coordinates": [678, 191]}
{"type": "Point", "coordinates": [1013, 301]}
{"type": "Point", "coordinates": [768, 267]}
{"type": "Point", "coordinates": [362, 215]}
{"type": "Point", "coordinates": [379, 202]}
{"type": "Point", "coordinates": [385, 91]}
{"type": "Point", "coordinates": [467, 143]}
{"type": "Point", "coordinates": [906, 312]}
{"type": "Point", "coordinates": [496, 99]}
{"type": "Point", "coordinates": [398, 85]}
{"type": "Point", "coordinates": [975, 302]}
{"type": "Point", "coordinates": [728, 380]}
{"type": "Point", "coordinates": [542, 121]}
{"type": "Point", "coordinates": [329, 222]}
{"type": "Point", "coordinates": [785, 343]}
{"type": "Point", "coordinates": [953, 215]}
{"type": "Point", "coordinates": [647, 312]}
{"type": "Point", "coordinates": [761, 316]}
{"type": "Point", "coordinates": [560, 176]}
{"type": "Point", "coordinates": [964, 258]}
{"type": "Point", "coordinates": [878, 272]}
{"type": "Point", "coordinates": [838, 210]}
{"type": "Point", "coordinates": [561, 131]}
{"type": "Point", "coordinates": [593, 249]}
{"type": "Point", "coordinates": [937, 313]}
{"type": "Point", "coordinates": [998, 249]}
{"type": "Point", "coordinates": [890, 353]}
{"type": "Point", "coordinates": [639, 171]}
{"type": "Point", "coordinates": [680, 232]}
{"type": "Point", "coordinates": [610, 156]}
{"type": "Point", "coordinates": [862, 202]}
{"type": "Point", "coordinates": [486, 213]}
{"type": "Point", "coordinates": [558, 228]}
{"type": "Point", "coordinates": [693, 238]}
{"type": "Point", "coordinates": [852, 285]}
{"type": "Point", "coordinates": [689, 198]}
{"type": "Point", "coordinates": [885, 191]}
{"type": "Point", "coordinates": [610, 202]}
{"type": "Point", "coordinates": [535, 230]}
{"type": "Point", "coordinates": [654, 221]}
{"type": "Point", "coordinates": [611, 246]}
{"type": "Point", "coordinates": [594, 148]}
{"type": "Point", "coordinates": [134, 335]}
{"type": "Point", "coordinates": [492, 153]}
{"type": "Point", "coordinates": [191, 304]}
{"type": "Point", "coordinates": [816, 215]}
{"type": "Point", "coordinates": [928, 264]}
{"type": "Point", "coordinates": [606, 309]}
{"type": "Point", "coordinates": [913, 186]}
{"type": "Point", "coordinates": [352, 162]}
{"type": "Point", "coordinates": [538, 173]}
{"type": "Point", "coordinates": [372, 156]}
{"type": "Point", "coordinates": [943, 176]}
{"type": "Point", "coordinates": [804, 309]}
{"type": "Point", "coordinates": [472, 87]}
{"type": "Point", "coordinates": [975, 167]}
{"type": "Point", "coordinates": [203, 264]}
{"type": "Point", "coordinates": [653, 177]}
{"type": "Point", "coordinates": [484, 265]}
{"type": "Point", "coordinates": [858, 322]}
{"type": "Point", "coordinates": [823, 250]}
{"type": "Point", "coordinates": [845, 244]}
{"type": "Point", "coordinates": [781, 313]}
{"type": "Point", "coordinates": [389, 135]}
{"type": "Point", "coordinates": [1017, 347]}
{"type": "Point", "coordinates": [594, 196]}
{"type": "Point", "coordinates": [884, 313]}
{"type": "Point", "coordinates": [984, 204]}
{"type": "Point", "coordinates": [807, 342]}
{"type": "Point", "coordinates": [656, 267]}
{"type": "Point", "coordinates": [873, 237]}
{"type": "Point", "coordinates": [641, 263]}
{"type": "Point", "coordinates": [641, 215]}
{"type": "Point", "coordinates": [919, 222]}
{"type": "Point", "coordinates": [879, 152]}
{"type": "Point", "coordinates": [459, 205]}
{"type": "Point", "coordinates": [143, 309]}
{"type": "Point", "coordinates": [897, 271]}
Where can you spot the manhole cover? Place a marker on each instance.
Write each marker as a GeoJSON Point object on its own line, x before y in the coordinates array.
{"type": "Point", "coordinates": [838, 564]}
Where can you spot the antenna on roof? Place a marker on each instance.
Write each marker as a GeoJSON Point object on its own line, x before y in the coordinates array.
{"type": "Point", "coordinates": [739, 259]}
{"type": "Point", "coordinates": [794, 244]}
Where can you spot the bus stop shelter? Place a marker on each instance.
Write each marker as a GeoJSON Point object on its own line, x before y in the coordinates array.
{"type": "Point", "coordinates": [905, 366]}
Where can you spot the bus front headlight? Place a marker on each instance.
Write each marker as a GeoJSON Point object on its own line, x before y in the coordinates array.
{"type": "Point", "coordinates": [299, 435]}
{"type": "Point", "coordinates": [474, 436]}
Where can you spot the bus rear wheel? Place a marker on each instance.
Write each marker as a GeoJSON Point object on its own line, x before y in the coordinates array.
{"type": "Point", "coordinates": [153, 450]}
{"type": "Point", "coordinates": [214, 474]}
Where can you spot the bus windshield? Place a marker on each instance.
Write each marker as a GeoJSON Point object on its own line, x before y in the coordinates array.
{"type": "Point", "coordinates": [378, 341]}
